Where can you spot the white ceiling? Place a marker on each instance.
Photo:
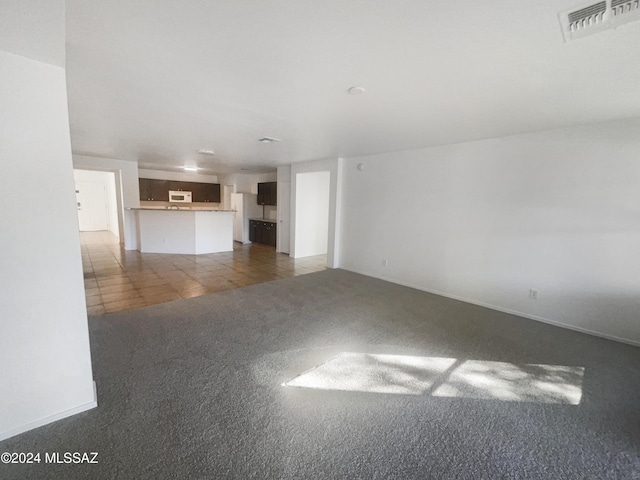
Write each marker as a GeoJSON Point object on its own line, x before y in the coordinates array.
{"type": "Point", "coordinates": [155, 81]}
{"type": "Point", "coordinates": [33, 29]}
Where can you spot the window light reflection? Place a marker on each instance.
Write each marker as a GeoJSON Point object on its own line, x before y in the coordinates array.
{"type": "Point", "coordinates": [445, 377]}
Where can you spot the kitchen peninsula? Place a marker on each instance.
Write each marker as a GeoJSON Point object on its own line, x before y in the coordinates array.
{"type": "Point", "coordinates": [185, 230]}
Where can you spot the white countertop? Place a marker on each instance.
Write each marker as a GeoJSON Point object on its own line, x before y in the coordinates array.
{"type": "Point", "coordinates": [181, 209]}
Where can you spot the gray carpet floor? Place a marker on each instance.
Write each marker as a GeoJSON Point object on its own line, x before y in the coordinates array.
{"type": "Point", "coordinates": [193, 389]}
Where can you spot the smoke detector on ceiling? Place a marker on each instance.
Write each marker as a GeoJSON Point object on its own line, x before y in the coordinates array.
{"type": "Point", "coordinates": [268, 140]}
{"type": "Point", "coordinates": [356, 91]}
{"type": "Point", "coordinates": [595, 17]}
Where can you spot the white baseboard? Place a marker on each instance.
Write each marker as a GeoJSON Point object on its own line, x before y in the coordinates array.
{"type": "Point", "coordinates": [500, 309]}
{"type": "Point", "coordinates": [52, 418]}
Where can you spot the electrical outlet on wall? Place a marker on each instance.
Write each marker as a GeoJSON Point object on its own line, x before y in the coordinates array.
{"type": "Point", "coordinates": [533, 294]}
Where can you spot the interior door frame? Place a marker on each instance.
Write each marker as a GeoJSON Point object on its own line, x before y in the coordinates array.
{"type": "Point", "coordinates": [283, 235]}
{"type": "Point", "coordinates": [335, 167]}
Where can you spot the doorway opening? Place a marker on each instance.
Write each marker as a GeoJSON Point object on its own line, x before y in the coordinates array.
{"type": "Point", "coordinates": [227, 190]}
{"type": "Point", "coordinates": [98, 203]}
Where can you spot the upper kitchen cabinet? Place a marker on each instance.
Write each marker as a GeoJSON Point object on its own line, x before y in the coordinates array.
{"type": "Point", "coordinates": [268, 193]}
{"type": "Point", "coordinates": [151, 189]}
{"type": "Point", "coordinates": [179, 186]}
{"type": "Point", "coordinates": [212, 192]}
{"type": "Point", "coordinates": [196, 189]}
{"type": "Point", "coordinates": [145, 188]}
{"type": "Point", "coordinates": [158, 190]}
{"type": "Point", "coordinates": [205, 192]}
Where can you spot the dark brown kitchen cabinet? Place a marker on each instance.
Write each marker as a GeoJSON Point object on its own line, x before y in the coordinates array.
{"type": "Point", "coordinates": [205, 192]}
{"type": "Point", "coordinates": [253, 231]}
{"type": "Point", "coordinates": [197, 190]}
{"type": "Point", "coordinates": [175, 186]}
{"type": "Point", "coordinates": [262, 232]}
{"type": "Point", "coordinates": [211, 192]}
{"type": "Point", "coordinates": [158, 190]}
{"type": "Point", "coordinates": [145, 188]}
{"type": "Point", "coordinates": [178, 186]}
{"type": "Point", "coordinates": [268, 193]}
{"type": "Point", "coordinates": [151, 189]}
{"type": "Point", "coordinates": [270, 234]}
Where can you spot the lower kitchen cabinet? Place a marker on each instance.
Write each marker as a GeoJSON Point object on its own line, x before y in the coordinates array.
{"type": "Point", "coordinates": [262, 232]}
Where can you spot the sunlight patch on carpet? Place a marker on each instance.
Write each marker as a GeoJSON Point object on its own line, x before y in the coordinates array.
{"type": "Point", "coordinates": [445, 377]}
{"type": "Point", "coordinates": [362, 372]}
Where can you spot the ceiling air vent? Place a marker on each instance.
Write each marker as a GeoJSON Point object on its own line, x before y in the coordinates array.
{"type": "Point", "coordinates": [596, 17]}
{"type": "Point", "coordinates": [623, 7]}
{"type": "Point", "coordinates": [587, 17]}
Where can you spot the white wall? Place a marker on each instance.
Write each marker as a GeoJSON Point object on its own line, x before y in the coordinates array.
{"type": "Point", "coordinates": [45, 371]}
{"type": "Point", "coordinates": [486, 221]}
{"type": "Point", "coordinates": [126, 175]}
{"type": "Point", "coordinates": [335, 169]}
{"type": "Point", "coordinates": [312, 213]}
{"type": "Point", "coordinates": [108, 180]}
{"type": "Point", "coordinates": [248, 182]}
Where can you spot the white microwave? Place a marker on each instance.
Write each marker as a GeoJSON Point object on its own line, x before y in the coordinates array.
{"type": "Point", "coordinates": [179, 197]}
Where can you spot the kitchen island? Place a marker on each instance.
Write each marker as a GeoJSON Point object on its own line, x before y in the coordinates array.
{"type": "Point", "coordinates": [186, 230]}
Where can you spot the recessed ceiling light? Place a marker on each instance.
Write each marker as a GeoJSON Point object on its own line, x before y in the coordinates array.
{"type": "Point", "coordinates": [206, 152]}
{"type": "Point", "coordinates": [356, 91]}
{"type": "Point", "coordinates": [269, 140]}
{"type": "Point", "coordinates": [190, 169]}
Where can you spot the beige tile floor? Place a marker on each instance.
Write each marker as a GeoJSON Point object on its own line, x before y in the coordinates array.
{"type": "Point", "coordinates": [118, 279]}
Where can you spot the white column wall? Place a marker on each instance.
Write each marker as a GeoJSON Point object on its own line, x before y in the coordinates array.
{"type": "Point", "coordinates": [44, 343]}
